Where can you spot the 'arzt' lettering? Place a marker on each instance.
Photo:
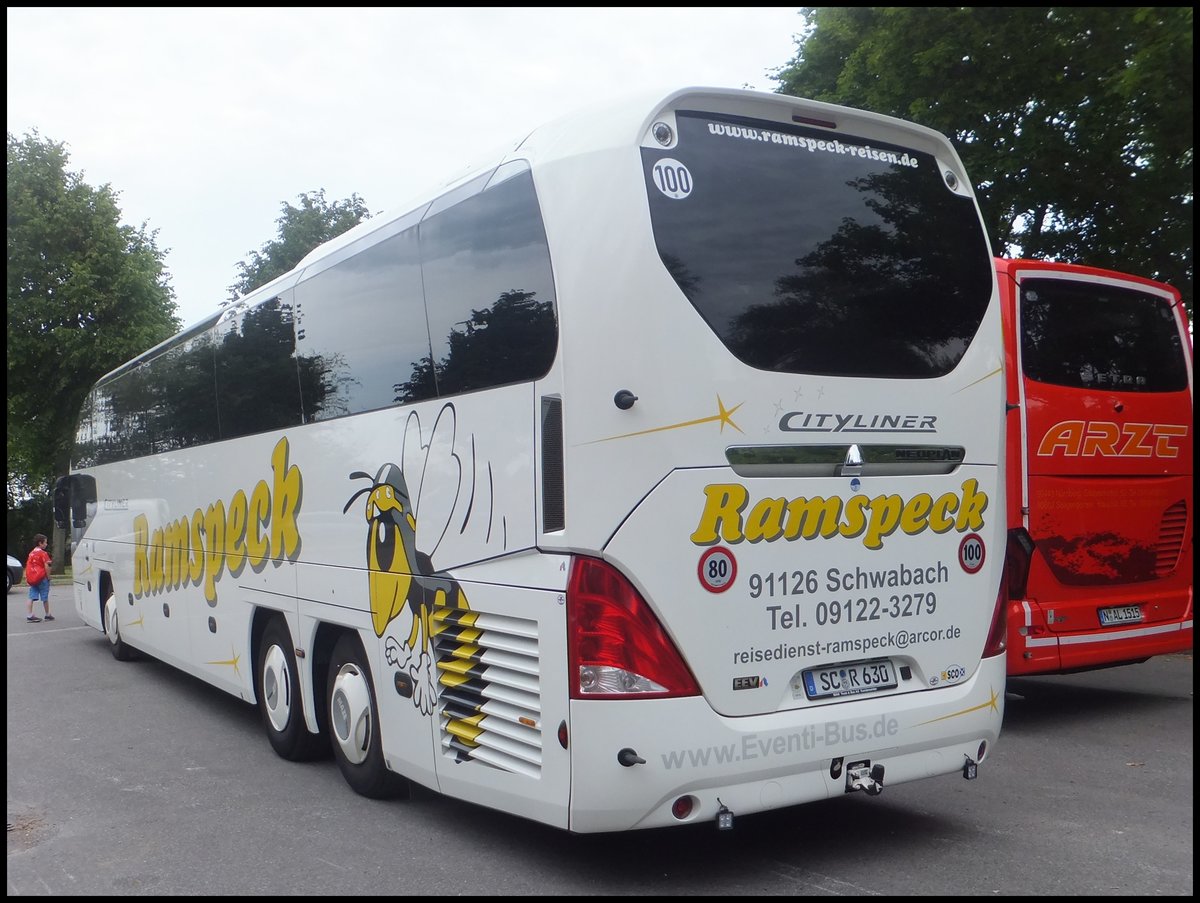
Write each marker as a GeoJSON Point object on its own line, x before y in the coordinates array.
{"type": "Point", "coordinates": [1083, 438]}
{"type": "Point", "coordinates": [250, 528]}
{"type": "Point", "coordinates": [725, 518]}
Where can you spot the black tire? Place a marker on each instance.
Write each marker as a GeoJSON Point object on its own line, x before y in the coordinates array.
{"type": "Point", "coordinates": [10, 581]}
{"type": "Point", "coordinates": [353, 723]}
{"type": "Point", "coordinates": [121, 650]}
{"type": "Point", "coordinates": [277, 687]}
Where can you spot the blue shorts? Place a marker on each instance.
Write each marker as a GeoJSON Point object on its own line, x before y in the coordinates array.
{"type": "Point", "coordinates": [40, 590]}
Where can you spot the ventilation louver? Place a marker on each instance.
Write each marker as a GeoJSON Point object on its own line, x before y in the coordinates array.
{"type": "Point", "coordinates": [489, 699]}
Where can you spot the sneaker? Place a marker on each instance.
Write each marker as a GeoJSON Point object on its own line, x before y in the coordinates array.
{"type": "Point", "coordinates": [33, 619]}
{"type": "Point", "coordinates": [48, 618]}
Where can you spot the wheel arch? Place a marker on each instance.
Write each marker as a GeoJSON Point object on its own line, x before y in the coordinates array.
{"type": "Point", "coordinates": [258, 626]}
{"type": "Point", "coordinates": [313, 661]}
{"type": "Point", "coordinates": [321, 653]}
{"type": "Point", "coordinates": [105, 588]}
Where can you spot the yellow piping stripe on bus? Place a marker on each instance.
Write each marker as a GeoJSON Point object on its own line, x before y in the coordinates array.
{"type": "Point", "coordinates": [469, 720]}
{"type": "Point", "coordinates": [459, 666]}
{"type": "Point", "coordinates": [452, 616]}
{"type": "Point", "coordinates": [985, 376]}
{"type": "Point", "coordinates": [466, 652]}
{"type": "Point", "coordinates": [724, 415]}
{"type": "Point", "coordinates": [464, 732]}
{"type": "Point", "coordinates": [990, 704]}
{"type": "Point", "coordinates": [232, 661]}
{"type": "Point", "coordinates": [466, 635]}
{"type": "Point", "coordinates": [450, 679]}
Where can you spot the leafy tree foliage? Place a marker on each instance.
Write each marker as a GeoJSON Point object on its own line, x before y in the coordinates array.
{"type": "Point", "coordinates": [1074, 122]}
{"type": "Point", "coordinates": [85, 294]}
{"type": "Point", "coordinates": [301, 229]}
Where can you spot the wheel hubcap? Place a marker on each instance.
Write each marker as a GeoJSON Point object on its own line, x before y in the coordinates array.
{"type": "Point", "coordinates": [110, 620]}
{"type": "Point", "coordinates": [350, 713]}
{"type": "Point", "coordinates": [277, 687]}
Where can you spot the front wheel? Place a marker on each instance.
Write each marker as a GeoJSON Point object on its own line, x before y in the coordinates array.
{"type": "Point", "coordinates": [354, 723]}
{"type": "Point", "coordinates": [277, 686]}
{"type": "Point", "coordinates": [120, 650]}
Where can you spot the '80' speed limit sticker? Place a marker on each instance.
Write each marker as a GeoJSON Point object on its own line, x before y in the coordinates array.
{"type": "Point", "coordinates": [717, 569]}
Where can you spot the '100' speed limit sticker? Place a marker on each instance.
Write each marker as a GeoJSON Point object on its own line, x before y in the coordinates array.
{"type": "Point", "coordinates": [717, 569]}
{"type": "Point", "coordinates": [672, 178]}
{"type": "Point", "coordinates": [971, 553]}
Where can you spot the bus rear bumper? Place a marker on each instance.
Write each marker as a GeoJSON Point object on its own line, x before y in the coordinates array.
{"type": "Point", "coordinates": [758, 763]}
{"type": "Point", "coordinates": [1033, 649]}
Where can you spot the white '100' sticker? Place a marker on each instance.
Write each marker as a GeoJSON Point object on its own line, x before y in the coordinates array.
{"type": "Point", "coordinates": [971, 553]}
{"type": "Point", "coordinates": [672, 178]}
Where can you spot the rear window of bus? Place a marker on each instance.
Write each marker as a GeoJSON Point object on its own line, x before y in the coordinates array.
{"type": "Point", "coordinates": [811, 252]}
{"type": "Point", "coordinates": [1086, 335]}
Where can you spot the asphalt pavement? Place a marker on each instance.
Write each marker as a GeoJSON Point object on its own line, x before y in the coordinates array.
{"type": "Point", "coordinates": [135, 779]}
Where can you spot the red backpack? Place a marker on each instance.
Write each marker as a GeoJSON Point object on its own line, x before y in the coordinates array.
{"type": "Point", "coordinates": [35, 567]}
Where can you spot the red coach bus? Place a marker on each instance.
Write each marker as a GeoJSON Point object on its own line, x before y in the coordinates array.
{"type": "Point", "coordinates": [1099, 381]}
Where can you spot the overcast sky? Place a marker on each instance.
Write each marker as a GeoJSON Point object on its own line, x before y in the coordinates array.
{"type": "Point", "coordinates": [205, 121]}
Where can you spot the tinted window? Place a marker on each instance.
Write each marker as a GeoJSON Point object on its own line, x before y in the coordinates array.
{"type": "Point", "coordinates": [489, 290]}
{"type": "Point", "coordinates": [1087, 335]}
{"type": "Point", "coordinates": [184, 392]}
{"type": "Point", "coordinates": [109, 428]}
{"type": "Point", "coordinates": [257, 384]}
{"type": "Point", "coordinates": [807, 252]}
{"type": "Point", "coordinates": [361, 329]}
{"type": "Point", "coordinates": [122, 416]}
{"type": "Point", "coordinates": [357, 337]}
{"type": "Point", "coordinates": [164, 403]}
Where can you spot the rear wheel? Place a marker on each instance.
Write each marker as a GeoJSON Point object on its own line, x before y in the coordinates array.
{"type": "Point", "coordinates": [354, 723]}
{"type": "Point", "coordinates": [277, 686]}
{"type": "Point", "coordinates": [121, 652]}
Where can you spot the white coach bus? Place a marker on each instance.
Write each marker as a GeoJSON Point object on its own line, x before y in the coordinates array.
{"type": "Point", "coordinates": [649, 475]}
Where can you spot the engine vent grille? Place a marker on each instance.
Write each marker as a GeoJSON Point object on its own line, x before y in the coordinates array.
{"type": "Point", "coordinates": [1170, 538]}
{"type": "Point", "coordinates": [489, 689]}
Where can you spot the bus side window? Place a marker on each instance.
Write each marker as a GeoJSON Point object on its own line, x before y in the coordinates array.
{"type": "Point", "coordinates": [489, 290]}
{"type": "Point", "coordinates": [361, 332]}
{"type": "Point", "coordinates": [257, 385]}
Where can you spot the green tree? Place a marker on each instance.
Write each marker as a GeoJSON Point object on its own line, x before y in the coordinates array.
{"type": "Point", "coordinates": [1074, 122]}
{"type": "Point", "coordinates": [85, 294]}
{"type": "Point", "coordinates": [301, 229]}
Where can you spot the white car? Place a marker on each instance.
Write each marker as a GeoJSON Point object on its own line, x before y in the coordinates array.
{"type": "Point", "coordinates": [16, 573]}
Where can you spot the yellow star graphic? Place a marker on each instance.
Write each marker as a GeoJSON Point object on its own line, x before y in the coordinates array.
{"type": "Point", "coordinates": [230, 661]}
{"type": "Point", "coordinates": [723, 416]}
{"type": "Point", "coordinates": [990, 704]}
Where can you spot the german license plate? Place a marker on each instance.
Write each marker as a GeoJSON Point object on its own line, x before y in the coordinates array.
{"type": "Point", "coordinates": [849, 679]}
{"type": "Point", "coordinates": [1121, 614]}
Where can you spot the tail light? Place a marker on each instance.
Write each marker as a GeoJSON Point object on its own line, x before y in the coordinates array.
{"type": "Point", "coordinates": [997, 637]}
{"type": "Point", "coordinates": [997, 641]}
{"type": "Point", "coordinates": [1018, 558]}
{"type": "Point", "coordinates": [616, 647]}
